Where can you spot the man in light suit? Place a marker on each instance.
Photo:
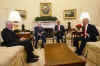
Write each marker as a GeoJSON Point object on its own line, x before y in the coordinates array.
{"type": "Point", "coordinates": [39, 34]}
{"type": "Point", "coordinates": [90, 34]}
{"type": "Point", "coordinates": [59, 32]}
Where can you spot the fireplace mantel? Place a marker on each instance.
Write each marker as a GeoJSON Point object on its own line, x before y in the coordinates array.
{"type": "Point", "coordinates": [47, 24]}
{"type": "Point", "coordinates": [48, 27]}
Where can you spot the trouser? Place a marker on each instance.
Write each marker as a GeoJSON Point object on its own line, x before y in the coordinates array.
{"type": "Point", "coordinates": [58, 38]}
{"type": "Point", "coordinates": [27, 45]}
{"type": "Point", "coordinates": [83, 41]}
{"type": "Point", "coordinates": [40, 37]}
{"type": "Point", "coordinates": [79, 49]}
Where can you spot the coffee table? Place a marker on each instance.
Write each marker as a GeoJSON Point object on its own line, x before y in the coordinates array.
{"type": "Point", "coordinates": [61, 55]}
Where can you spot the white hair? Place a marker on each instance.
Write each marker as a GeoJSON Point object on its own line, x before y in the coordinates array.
{"type": "Point", "coordinates": [8, 22]}
{"type": "Point", "coordinates": [85, 15]}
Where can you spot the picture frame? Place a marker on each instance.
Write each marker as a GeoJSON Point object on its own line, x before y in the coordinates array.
{"type": "Point", "coordinates": [22, 13]}
{"type": "Point", "coordinates": [70, 14]}
{"type": "Point", "coordinates": [45, 9]}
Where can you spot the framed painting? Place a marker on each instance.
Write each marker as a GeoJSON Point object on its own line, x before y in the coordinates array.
{"type": "Point", "coordinates": [22, 13]}
{"type": "Point", "coordinates": [45, 9]}
{"type": "Point", "coordinates": [70, 14]}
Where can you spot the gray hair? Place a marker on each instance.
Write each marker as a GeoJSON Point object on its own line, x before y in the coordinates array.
{"type": "Point", "coordinates": [85, 15]}
{"type": "Point", "coordinates": [88, 20]}
{"type": "Point", "coordinates": [8, 22]}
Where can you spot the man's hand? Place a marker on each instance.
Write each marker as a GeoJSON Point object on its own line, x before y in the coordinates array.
{"type": "Point", "coordinates": [22, 38]}
{"type": "Point", "coordinates": [39, 34]}
{"type": "Point", "coordinates": [86, 35]}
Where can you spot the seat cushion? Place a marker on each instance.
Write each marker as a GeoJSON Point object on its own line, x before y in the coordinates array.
{"type": "Point", "coordinates": [7, 54]}
{"type": "Point", "coordinates": [93, 52]}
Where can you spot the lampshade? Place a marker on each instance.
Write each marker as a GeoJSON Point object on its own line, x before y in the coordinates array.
{"type": "Point", "coordinates": [85, 15]}
{"type": "Point", "coordinates": [14, 16]}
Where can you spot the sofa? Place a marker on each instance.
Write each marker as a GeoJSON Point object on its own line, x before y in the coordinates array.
{"type": "Point", "coordinates": [12, 56]}
{"type": "Point", "coordinates": [93, 53]}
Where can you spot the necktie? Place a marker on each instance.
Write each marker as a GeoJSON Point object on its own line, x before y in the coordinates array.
{"type": "Point", "coordinates": [84, 30]}
{"type": "Point", "coordinates": [58, 27]}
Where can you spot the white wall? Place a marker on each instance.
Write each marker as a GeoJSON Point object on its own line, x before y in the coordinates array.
{"type": "Point", "coordinates": [58, 6]}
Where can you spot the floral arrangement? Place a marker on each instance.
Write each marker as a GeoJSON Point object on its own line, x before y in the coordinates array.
{"type": "Point", "coordinates": [78, 26]}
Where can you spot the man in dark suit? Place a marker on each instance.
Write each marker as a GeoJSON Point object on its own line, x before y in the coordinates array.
{"type": "Point", "coordinates": [39, 34]}
{"type": "Point", "coordinates": [90, 34]}
{"type": "Point", "coordinates": [59, 32]}
{"type": "Point", "coordinates": [10, 39]}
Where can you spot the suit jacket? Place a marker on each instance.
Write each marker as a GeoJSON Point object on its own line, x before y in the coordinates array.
{"type": "Point", "coordinates": [9, 35]}
{"type": "Point", "coordinates": [38, 30]}
{"type": "Point", "coordinates": [92, 31]}
{"type": "Point", "coordinates": [61, 32]}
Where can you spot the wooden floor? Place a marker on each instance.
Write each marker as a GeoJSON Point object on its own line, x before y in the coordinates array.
{"type": "Point", "coordinates": [41, 61]}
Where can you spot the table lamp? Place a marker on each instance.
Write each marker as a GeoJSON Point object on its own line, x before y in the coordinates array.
{"type": "Point", "coordinates": [15, 18]}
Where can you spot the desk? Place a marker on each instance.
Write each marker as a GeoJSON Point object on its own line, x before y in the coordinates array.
{"type": "Point", "coordinates": [61, 55]}
{"type": "Point", "coordinates": [24, 34]}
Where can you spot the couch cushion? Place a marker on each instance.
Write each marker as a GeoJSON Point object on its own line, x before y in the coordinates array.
{"type": "Point", "coordinates": [8, 53]}
{"type": "Point", "coordinates": [93, 52]}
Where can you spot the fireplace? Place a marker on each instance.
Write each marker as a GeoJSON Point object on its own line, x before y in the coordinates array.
{"type": "Point", "coordinates": [48, 27]}
{"type": "Point", "coordinates": [49, 32]}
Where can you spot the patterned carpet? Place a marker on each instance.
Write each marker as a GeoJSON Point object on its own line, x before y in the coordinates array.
{"type": "Point", "coordinates": [41, 61]}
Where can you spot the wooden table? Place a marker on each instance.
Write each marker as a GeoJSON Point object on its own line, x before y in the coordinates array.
{"type": "Point", "coordinates": [61, 55]}
{"type": "Point", "coordinates": [24, 34]}
{"type": "Point", "coordinates": [76, 34]}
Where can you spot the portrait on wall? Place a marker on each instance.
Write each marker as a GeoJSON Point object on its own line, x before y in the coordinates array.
{"type": "Point", "coordinates": [45, 9]}
{"type": "Point", "coordinates": [22, 13]}
{"type": "Point", "coordinates": [70, 14]}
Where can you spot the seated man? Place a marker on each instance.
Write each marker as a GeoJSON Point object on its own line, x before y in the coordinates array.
{"type": "Point", "coordinates": [10, 39]}
{"type": "Point", "coordinates": [59, 32]}
{"type": "Point", "coordinates": [39, 34]}
{"type": "Point", "coordinates": [90, 34]}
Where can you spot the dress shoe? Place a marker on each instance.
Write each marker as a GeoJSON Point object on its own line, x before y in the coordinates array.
{"type": "Point", "coordinates": [35, 56]}
{"type": "Point", "coordinates": [32, 60]}
{"type": "Point", "coordinates": [36, 47]}
{"type": "Point", "coordinates": [78, 53]}
{"type": "Point", "coordinates": [42, 46]}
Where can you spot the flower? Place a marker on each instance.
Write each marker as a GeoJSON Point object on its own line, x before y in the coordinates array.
{"type": "Point", "coordinates": [78, 25]}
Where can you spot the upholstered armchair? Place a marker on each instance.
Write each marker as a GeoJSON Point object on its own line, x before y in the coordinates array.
{"type": "Point", "coordinates": [93, 53]}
